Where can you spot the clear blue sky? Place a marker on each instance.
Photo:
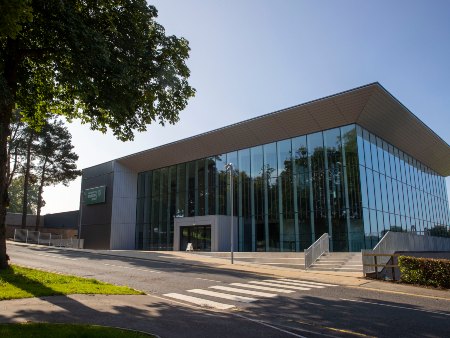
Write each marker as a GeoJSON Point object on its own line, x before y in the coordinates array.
{"type": "Point", "coordinates": [252, 57]}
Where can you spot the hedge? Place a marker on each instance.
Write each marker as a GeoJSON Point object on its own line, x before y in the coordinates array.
{"type": "Point", "coordinates": [425, 271]}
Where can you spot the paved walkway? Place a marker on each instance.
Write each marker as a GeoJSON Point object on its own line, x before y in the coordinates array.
{"type": "Point", "coordinates": [144, 312]}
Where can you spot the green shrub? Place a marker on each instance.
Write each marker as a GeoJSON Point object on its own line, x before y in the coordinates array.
{"type": "Point", "coordinates": [425, 271]}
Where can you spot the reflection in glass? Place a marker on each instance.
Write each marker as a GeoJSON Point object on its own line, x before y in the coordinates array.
{"type": "Point", "coordinates": [344, 181]}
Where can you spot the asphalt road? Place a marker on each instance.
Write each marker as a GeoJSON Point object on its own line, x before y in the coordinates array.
{"type": "Point", "coordinates": [314, 311]}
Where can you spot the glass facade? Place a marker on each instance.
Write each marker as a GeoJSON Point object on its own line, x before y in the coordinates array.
{"type": "Point", "coordinates": [398, 192]}
{"type": "Point", "coordinates": [344, 181]}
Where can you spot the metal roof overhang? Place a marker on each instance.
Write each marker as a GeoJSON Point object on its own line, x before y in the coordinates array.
{"type": "Point", "coordinates": [370, 106]}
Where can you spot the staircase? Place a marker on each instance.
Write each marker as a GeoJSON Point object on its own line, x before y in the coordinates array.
{"type": "Point", "coordinates": [339, 261]}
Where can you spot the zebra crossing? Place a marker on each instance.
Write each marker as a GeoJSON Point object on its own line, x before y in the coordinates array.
{"type": "Point", "coordinates": [245, 292]}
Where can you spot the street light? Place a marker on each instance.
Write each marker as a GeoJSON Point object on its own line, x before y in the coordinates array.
{"type": "Point", "coordinates": [229, 167]}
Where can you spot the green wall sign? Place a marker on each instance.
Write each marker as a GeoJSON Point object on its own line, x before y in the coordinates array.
{"type": "Point", "coordinates": [94, 195]}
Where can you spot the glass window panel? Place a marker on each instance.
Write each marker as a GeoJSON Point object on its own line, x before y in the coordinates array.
{"type": "Point", "coordinates": [181, 190]}
{"type": "Point", "coordinates": [284, 157]}
{"type": "Point", "coordinates": [211, 189]}
{"type": "Point", "coordinates": [402, 166]}
{"type": "Point", "coordinates": [270, 160]}
{"type": "Point", "coordinates": [257, 169]}
{"type": "Point", "coordinates": [380, 223]}
{"type": "Point", "coordinates": [191, 192]}
{"type": "Point", "coordinates": [395, 194]}
{"type": "Point", "coordinates": [400, 198]}
{"type": "Point", "coordinates": [221, 185]}
{"type": "Point", "coordinates": [332, 140]}
{"type": "Point", "coordinates": [300, 154]}
{"type": "Point", "coordinates": [397, 165]}
{"type": "Point", "coordinates": [232, 158]}
{"type": "Point", "coordinates": [373, 226]}
{"type": "Point", "coordinates": [367, 150]}
{"type": "Point", "coordinates": [408, 169]}
{"type": "Point", "coordinates": [374, 151]}
{"type": "Point", "coordinates": [408, 199]}
{"type": "Point", "coordinates": [257, 162]}
{"type": "Point", "coordinates": [366, 219]}
{"type": "Point", "coordinates": [377, 191]}
{"type": "Point", "coordinates": [387, 164]}
{"type": "Point", "coordinates": [380, 155]}
{"type": "Point", "coordinates": [244, 187]}
{"type": "Point", "coordinates": [370, 189]}
{"type": "Point", "coordinates": [360, 142]}
{"type": "Point", "coordinates": [315, 151]}
{"type": "Point", "coordinates": [200, 187]}
{"type": "Point", "coordinates": [389, 195]}
{"type": "Point", "coordinates": [364, 197]}
{"type": "Point", "coordinates": [392, 162]}
{"type": "Point", "coordinates": [349, 145]}
{"type": "Point", "coordinates": [384, 196]}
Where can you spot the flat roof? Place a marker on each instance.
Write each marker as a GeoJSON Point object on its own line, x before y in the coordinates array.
{"type": "Point", "coordinates": [370, 106]}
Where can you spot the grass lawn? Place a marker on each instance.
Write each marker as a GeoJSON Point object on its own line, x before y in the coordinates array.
{"type": "Point", "coordinates": [18, 282]}
{"type": "Point", "coordinates": [44, 330]}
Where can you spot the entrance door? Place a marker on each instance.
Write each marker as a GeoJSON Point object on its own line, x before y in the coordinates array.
{"type": "Point", "coordinates": [198, 235]}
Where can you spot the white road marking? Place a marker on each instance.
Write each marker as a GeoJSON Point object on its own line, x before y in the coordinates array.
{"type": "Point", "coordinates": [245, 292]}
{"type": "Point", "coordinates": [397, 307]}
{"type": "Point", "coordinates": [59, 257]}
{"type": "Point", "coordinates": [281, 264]}
{"type": "Point", "coordinates": [264, 288]}
{"type": "Point", "coordinates": [281, 285]}
{"type": "Point", "coordinates": [241, 299]}
{"type": "Point", "coordinates": [271, 326]}
{"type": "Point", "coordinates": [199, 301]}
{"type": "Point", "coordinates": [296, 283]}
{"type": "Point", "coordinates": [307, 282]}
{"type": "Point", "coordinates": [209, 280]}
{"type": "Point", "coordinates": [130, 268]}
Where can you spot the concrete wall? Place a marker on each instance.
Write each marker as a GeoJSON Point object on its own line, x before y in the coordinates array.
{"type": "Point", "coordinates": [220, 230]}
{"type": "Point", "coordinates": [15, 220]}
{"type": "Point", "coordinates": [68, 219]}
{"type": "Point", "coordinates": [123, 216]}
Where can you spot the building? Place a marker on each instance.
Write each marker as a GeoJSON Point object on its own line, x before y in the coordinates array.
{"type": "Point", "coordinates": [354, 165]}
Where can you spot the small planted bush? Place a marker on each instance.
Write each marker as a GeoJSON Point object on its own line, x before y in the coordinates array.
{"type": "Point", "coordinates": [425, 271]}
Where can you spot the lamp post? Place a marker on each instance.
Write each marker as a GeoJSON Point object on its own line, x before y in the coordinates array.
{"type": "Point", "coordinates": [229, 167]}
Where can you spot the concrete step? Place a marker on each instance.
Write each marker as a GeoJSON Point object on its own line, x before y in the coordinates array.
{"type": "Point", "coordinates": [339, 261]}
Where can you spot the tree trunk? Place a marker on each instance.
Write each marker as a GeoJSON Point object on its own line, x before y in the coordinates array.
{"type": "Point", "coordinates": [6, 107]}
{"type": "Point", "coordinates": [39, 203]}
{"type": "Point", "coordinates": [26, 182]}
{"type": "Point", "coordinates": [4, 131]}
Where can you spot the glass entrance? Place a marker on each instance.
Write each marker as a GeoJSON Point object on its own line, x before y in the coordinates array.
{"type": "Point", "coordinates": [198, 235]}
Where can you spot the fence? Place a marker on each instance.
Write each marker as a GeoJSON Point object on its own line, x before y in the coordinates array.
{"type": "Point", "coordinates": [372, 269]}
{"type": "Point", "coordinates": [46, 238]}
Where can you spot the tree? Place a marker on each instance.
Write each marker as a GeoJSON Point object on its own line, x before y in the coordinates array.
{"type": "Point", "coordinates": [28, 178]}
{"type": "Point", "coordinates": [107, 63]}
{"type": "Point", "coordinates": [15, 147]}
{"type": "Point", "coordinates": [15, 192]}
{"type": "Point", "coordinates": [56, 160]}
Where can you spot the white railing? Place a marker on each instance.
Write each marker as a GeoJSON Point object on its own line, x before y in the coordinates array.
{"type": "Point", "coordinates": [317, 249]}
{"type": "Point", "coordinates": [46, 238]}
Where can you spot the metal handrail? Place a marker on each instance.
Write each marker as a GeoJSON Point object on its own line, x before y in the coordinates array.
{"type": "Point", "coordinates": [317, 249]}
